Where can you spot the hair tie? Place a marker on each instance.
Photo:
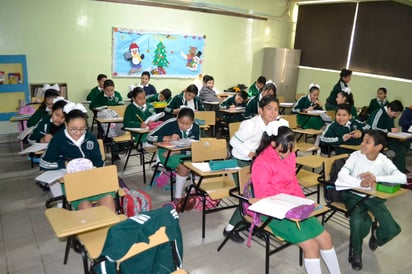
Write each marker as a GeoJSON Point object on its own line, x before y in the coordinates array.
{"type": "Point", "coordinates": [73, 106]}
{"type": "Point", "coordinates": [54, 87]}
{"type": "Point", "coordinates": [312, 85]}
{"type": "Point", "coordinates": [347, 90]}
{"type": "Point", "coordinates": [58, 98]}
{"type": "Point", "coordinates": [270, 81]}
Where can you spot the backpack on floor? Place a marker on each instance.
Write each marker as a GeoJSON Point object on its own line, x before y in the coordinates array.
{"type": "Point", "coordinates": [135, 202]}
{"type": "Point", "coordinates": [248, 194]}
{"type": "Point", "coordinates": [330, 192]}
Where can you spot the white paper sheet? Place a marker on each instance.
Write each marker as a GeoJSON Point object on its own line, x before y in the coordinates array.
{"type": "Point", "coordinates": [51, 176]}
{"type": "Point", "coordinates": [34, 148]}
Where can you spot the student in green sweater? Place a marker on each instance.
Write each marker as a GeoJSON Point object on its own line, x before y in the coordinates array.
{"type": "Point", "coordinates": [257, 86]}
{"type": "Point", "coordinates": [49, 125]}
{"type": "Point", "coordinates": [237, 100]}
{"type": "Point", "coordinates": [44, 109]}
{"type": "Point", "coordinates": [308, 103]}
{"type": "Point", "coordinates": [163, 96]}
{"type": "Point", "coordinates": [378, 102]}
{"type": "Point", "coordinates": [252, 106]}
{"type": "Point", "coordinates": [109, 97]}
{"type": "Point", "coordinates": [97, 89]}
{"type": "Point", "coordinates": [383, 120]}
{"type": "Point", "coordinates": [345, 77]}
{"type": "Point", "coordinates": [137, 112]}
{"type": "Point", "coordinates": [344, 130]}
{"type": "Point", "coordinates": [187, 98]}
{"type": "Point", "coordinates": [346, 97]}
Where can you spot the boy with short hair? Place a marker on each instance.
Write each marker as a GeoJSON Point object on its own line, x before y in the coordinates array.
{"type": "Point", "coordinates": [257, 86]}
{"type": "Point", "coordinates": [363, 169]}
{"type": "Point", "coordinates": [97, 89]}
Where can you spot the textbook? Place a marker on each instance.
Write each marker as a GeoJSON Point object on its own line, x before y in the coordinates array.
{"type": "Point", "coordinates": [25, 133]}
{"type": "Point", "coordinates": [34, 148]}
{"type": "Point", "coordinates": [154, 117]}
{"type": "Point", "coordinates": [278, 205]}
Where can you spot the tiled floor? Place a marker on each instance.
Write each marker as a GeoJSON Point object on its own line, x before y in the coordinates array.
{"type": "Point", "coordinates": [28, 245]}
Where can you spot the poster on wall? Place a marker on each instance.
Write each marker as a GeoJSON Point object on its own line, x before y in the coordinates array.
{"type": "Point", "coordinates": [165, 55]}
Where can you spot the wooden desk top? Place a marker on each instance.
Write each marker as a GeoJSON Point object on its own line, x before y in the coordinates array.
{"type": "Point", "coordinates": [308, 131]}
{"type": "Point", "coordinates": [201, 173]}
{"type": "Point", "coordinates": [380, 194]}
{"type": "Point", "coordinates": [137, 130]}
{"type": "Point", "coordinates": [233, 110]}
{"type": "Point", "coordinates": [170, 146]}
{"type": "Point", "coordinates": [312, 161]}
{"type": "Point", "coordinates": [315, 113]}
{"type": "Point", "coordinates": [286, 105]}
{"type": "Point", "coordinates": [351, 147]}
{"type": "Point", "coordinates": [109, 120]}
{"type": "Point", "coordinates": [400, 135]}
{"type": "Point", "coordinates": [19, 118]}
{"type": "Point", "coordinates": [67, 222]}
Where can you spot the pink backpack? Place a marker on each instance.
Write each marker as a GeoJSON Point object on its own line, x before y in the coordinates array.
{"type": "Point", "coordinates": [248, 194]}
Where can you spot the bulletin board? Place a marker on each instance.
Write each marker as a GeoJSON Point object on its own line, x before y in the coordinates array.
{"type": "Point", "coordinates": [165, 55]}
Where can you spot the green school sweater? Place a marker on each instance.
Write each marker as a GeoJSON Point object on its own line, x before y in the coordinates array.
{"type": "Point", "coordinates": [333, 135]}
{"type": "Point", "coordinates": [37, 116]}
{"type": "Point", "coordinates": [100, 100]}
{"type": "Point", "coordinates": [179, 100]}
{"type": "Point", "coordinates": [312, 122]}
{"type": "Point", "coordinates": [380, 120]}
{"type": "Point", "coordinates": [131, 119]}
{"type": "Point", "coordinates": [93, 93]}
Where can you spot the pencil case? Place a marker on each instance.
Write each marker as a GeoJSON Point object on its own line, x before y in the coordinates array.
{"type": "Point", "coordinates": [387, 187]}
{"type": "Point", "coordinates": [223, 164]}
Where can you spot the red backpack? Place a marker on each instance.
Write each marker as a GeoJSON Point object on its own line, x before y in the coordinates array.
{"type": "Point", "coordinates": [135, 202]}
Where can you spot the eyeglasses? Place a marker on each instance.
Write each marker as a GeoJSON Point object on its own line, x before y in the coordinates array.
{"type": "Point", "coordinates": [77, 130]}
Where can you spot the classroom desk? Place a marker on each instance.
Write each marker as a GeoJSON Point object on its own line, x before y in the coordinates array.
{"type": "Point", "coordinates": [402, 136]}
{"type": "Point", "coordinates": [108, 121]}
{"type": "Point", "coordinates": [350, 147]}
{"type": "Point", "coordinates": [215, 185]}
{"type": "Point", "coordinates": [169, 148]}
{"type": "Point", "coordinates": [306, 178]}
{"type": "Point", "coordinates": [283, 106]}
{"type": "Point", "coordinates": [223, 95]}
{"type": "Point", "coordinates": [68, 223]}
{"type": "Point", "coordinates": [309, 114]}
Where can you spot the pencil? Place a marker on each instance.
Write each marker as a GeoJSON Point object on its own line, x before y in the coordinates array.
{"type": "Point", "coordinates": [140, 118]}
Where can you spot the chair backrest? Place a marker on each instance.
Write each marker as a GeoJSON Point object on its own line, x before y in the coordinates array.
{"type": "Point", "coordinates": [233, 127]}
{"type": "Point", "coordinates": [101, 148]}
{"type": "Point", "coordinates": [208, 116]}
{"type": "Point", "coordinates": [244, 174]}
{"type": "Point", "coordinates": [328, 162]}
{"type": "Point", "coordinates": [291, 118]}
{"type": "Point", "coordinates": [298, 95]}
{"type": "Point", "coordinates": [281, 99]}
{"type": "Point", "coordinates": [120, 109]}
{"type": "Point", "coordinates": [209, 149]}
{"type": "Point", "coordinates": [331, 114]}
{"type": "Point", "coordinates": [91, 182]}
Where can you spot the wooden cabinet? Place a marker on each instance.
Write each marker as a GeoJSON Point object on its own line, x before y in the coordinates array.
{"type": "Point", "coordinates": [37, 92]}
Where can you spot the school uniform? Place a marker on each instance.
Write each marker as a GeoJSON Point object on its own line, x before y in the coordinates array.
{"type": "Point", "coordinates": [272, 175]}
{"type": "Point", "coordinates": [252, 106]}
{"type": "Point", "coordinates": [62, 149]}
{"type": "Point", "coordinates": [207, 94]}
{"type": "Point", "coordinates": [149, 89]}
{"type": "Point", "coordinates": [333, 135]}
{"type": "Point", "coordinates": [38, 115]}
{"type": "Point", "coordinates": [169, 128]}
{"type": "Point", "coordinates": [406, 119]}
{"type": "Point", "coordinates": [376, 104]}
{"type": "Point", "coordinates": [93, 93]}
{"type": "Point", "coordinates": [253, 90]}
{"type": "Point", "coordinates": [231, 118]}
{"type": "Point", "coordinates": [305, 121]}
{"type": "Point", "coordinates": [179, 100]}
{"type": "Point", "coordinates": [155, 98]}
{"type": "Point", "coordinates": [45, 126]}
{"type": "Point", "coordinates": [134, 113]}
{"type": "Point", "coordinates": [380, 120]}
{"type": "Point", "coordinates": [331, 100]}
{"type": "Point", "coordinates": [360, 221]}
{"type": "Point", "coordinates": [102, 100]}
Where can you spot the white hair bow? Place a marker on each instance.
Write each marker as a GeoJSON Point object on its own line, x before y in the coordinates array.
{"type": "Point", "coordinates": [312, 85]}
{"type": "Point", "coordinates": [58, 98]}
{"type": "Point", "coordinates": [72, 106]}
{"type": "Point", "coordinates": [347, 90]}
{"type": "Point", "coordinates": [55, 87]}
{"type": "Point", "coordinates": [270, 81]}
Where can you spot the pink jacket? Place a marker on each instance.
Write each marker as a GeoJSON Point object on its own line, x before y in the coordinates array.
{"type": "Point", "coordinates": [272, 175]}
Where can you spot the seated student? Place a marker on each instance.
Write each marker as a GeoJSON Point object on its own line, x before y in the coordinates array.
{"type": "Point", "coordinates": [75, 141]}
{"type": "Point", "coordinates": [49, 125]}
{"type": "Point", "coordinates": [187, 98]}
{"type": "Point", "coordinates": [344, 130]}
{"type": "Point", "coordinates": [144, 83]}
{"type": "Point", "coordinates": [182, 127]}
{"type": "Point", "coordinates": [207, 94]}
{"type": "Point", "coordinates": [363, 169]}
{"type": "Point", "coordinates": [346, 97]}
{"type": "Point", "coordinates": [378, 102]}
{"type": "Point", "coordinates": [109, 97]}
{"type": "Point", "coordinates": [253, 104]}
{"type": "Point", "coordinates": [308, 103]}
{"type": "Point", "coordinates": [383, 120]}
{"type": "Point", "coordinates": [44, 109]}
{"type": "Point", "coordinates": [237, 100]}
{"type": "Point", "coordinates": [247, 139]}
{"type": "Point", "coordinates": [137, 112]}
{"type": "Point", "coordinates": [345, 77]}
{"type": "Point", "coordinates": [274, 172]}
{"type": "Point", "coordinates": [97, 89]}
{"type": "Point", "coordinates": [164, 96]}
{"type": "Point", "coordinates": [257, 86]}
{"type": "Point", "coordinates": [406, 119]}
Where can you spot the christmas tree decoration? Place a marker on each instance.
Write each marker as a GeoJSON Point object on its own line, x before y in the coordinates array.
{"type": "Point", "coordinates": [160, 58]}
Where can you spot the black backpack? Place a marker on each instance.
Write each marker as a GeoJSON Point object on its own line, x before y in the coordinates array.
{"type": "Point", "coordinates": [330, 192]}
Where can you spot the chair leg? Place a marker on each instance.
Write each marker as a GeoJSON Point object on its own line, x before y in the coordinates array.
{"type": "Point", "coordinates": [127, 158]}
{"type": "Point", "coordinates": [67, 250]}
{"type": "Point", "coordinates": [267, 253]}
{"type": "Point", "coordinates": [154, 173]}
{"type": "Point", "coordinates": [300, 256]}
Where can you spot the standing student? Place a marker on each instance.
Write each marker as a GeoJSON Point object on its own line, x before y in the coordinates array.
{"type": "Point", "coordinates": [164, 96]}
{"type": "Point", "coordinates": [252, 106]}
{"type": "Point", "coordinates": [378, 102]}
{"type": "Point", "coordinates": [383, 120]}
{"type": "Point", "coordinates": [145, 83]}
{"type": "Point", "coordinates": [237, 100]}
{"type": "Point", "coordinates": [257, 86]}
{"type": "Point", "coordinates": [308, 103]}
{"type": "Point", "coordinates": [45, 107]}
{"type": "Point", "coordinates": [345, 77]}
{"type": "Point", "coordinates": [274, 172]}
{"type": "Point", "coordinates": [365, 168]}
{"type": "Point", "coordinates": [182, 127]}
{"type": "Point", "coordinates": [345, 130]}
{"type": "Point", "coordinates": [49, 125]}
{"type": "Point", "coordinates": [109, 97]}
{"type": "Point", "coordinates": [247, 139]}
{"type": "Point", "coordinates": [187, 98]}
{"type": "Point", "coordinates": [207, 94]}
{"type": "Point", "coordinates": [137, 112]}
{"type": "Point", "coordinates": [97, 89]}
{"type": "Point", "coordinates": [346, 97]}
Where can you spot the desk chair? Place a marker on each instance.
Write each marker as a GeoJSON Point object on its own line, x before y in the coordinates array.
{"type": "Point", "coordinates": [308, 176]}
{"type": "Point", "coordinates": [215, 186]}
{"type": "Point", "coordinates": [89, 183]}
{"type": "Point", "coordinates": [210, 120]}
{"type": "Point", "coordinates": [301, 146]}
{"type": "Point", "coordinates": [233, 127]}
{"type": "Point", "coordinates": [153, 242]}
